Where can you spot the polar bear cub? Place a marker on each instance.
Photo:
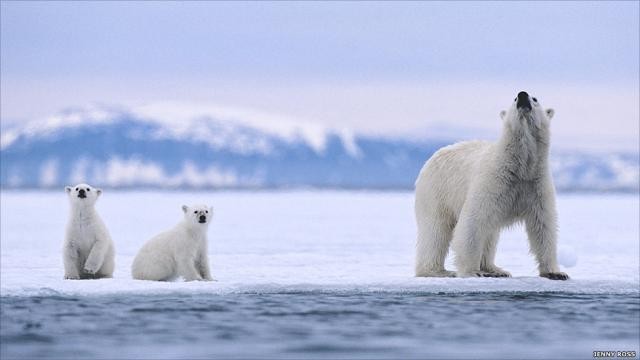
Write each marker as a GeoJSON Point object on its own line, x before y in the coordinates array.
{"type": "Point", "coordinates": [179, 252]}
{"type": "Point", "coordinates": [467, 192]}
{"type": "Point", "coordinates": [88, 251]}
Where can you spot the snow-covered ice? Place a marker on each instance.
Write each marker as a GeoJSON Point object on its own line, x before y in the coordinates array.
{"type": "Point", "coordinates": [305, 241]}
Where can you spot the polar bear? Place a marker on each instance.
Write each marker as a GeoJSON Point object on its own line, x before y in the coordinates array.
{"type": "Point", "coordinates": [88, 251]}
{"type": "Point", "coordinates": [467, 192]}
{"type": "Point", "coordinates": [181, 251]}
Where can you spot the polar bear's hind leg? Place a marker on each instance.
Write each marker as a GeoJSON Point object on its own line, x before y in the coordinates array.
{"type": "Point", "coordinates": [432, 247]}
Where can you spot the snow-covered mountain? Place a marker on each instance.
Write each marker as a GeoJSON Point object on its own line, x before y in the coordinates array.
{"type": "Point", "coordinates": [169, 146]}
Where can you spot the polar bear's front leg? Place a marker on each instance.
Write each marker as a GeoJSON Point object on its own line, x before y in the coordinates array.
{"type": "Point", "coordinates": [541, 224]}
{"type": "Point", "coordinates": [203, 266]}
{"type": "Point", "coordinates": [487, 264]}
{"type": "Point", "coordinates": [71, 266]}
{"type": "Point", "coordinates": [187, 269]}
{"type": "Point", "coordinates": [108, 265]}
{"type": "Point", "coordinates": [96, 256]}
{"type": "Point", "coordinates": [469, 238]}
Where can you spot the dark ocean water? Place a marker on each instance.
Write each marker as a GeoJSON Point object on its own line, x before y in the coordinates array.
{"type": "Point", "coordinates": [319, 325]}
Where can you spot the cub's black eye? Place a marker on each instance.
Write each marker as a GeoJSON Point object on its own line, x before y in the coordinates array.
{"type": "Point", "coordinates": [76, 189]}
{"type": "Point", "coordinates": [535, 100]}
{"type": "Point", "coordinates": [515, 99]}
{"type": "Point", "coordinates": [206, 211]}
{"type": "Point", "coordinates": [195, 212]}
{"type": "Point", "coordinates": [88, 189]}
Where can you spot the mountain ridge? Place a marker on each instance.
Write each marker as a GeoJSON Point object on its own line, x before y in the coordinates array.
{"type": "Point", "coordinates": [213, 148]}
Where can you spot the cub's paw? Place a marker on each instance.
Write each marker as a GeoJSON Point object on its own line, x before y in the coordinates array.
{"type": "Point", "coordinates": [71, 277]}
{"type": "Point", "coordinates": [90, 269]}
{"type": "Point", "coordinates": [555, 276]}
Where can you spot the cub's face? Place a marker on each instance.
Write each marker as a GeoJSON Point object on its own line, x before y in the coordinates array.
{"type": "Point", "coordinates": [525, 110]}
{"type": "Point", "coordinates": [198, 214]}
{"type": "Point", "coordinates": [82, 194]}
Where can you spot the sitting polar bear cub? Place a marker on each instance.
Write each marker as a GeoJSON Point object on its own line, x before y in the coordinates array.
{"type": "Point", "coordinates": [88, 250]}
{"type": "Point", "coordinates": [181, 251]}
{"type": "Point", "coordinates": [467, 192]}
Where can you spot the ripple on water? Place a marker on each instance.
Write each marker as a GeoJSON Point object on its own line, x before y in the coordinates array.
{"type": "Point", "coordinates": [26, 338]}
{"type": "Point", "coordinates": [164, 310]}
{"type": "Point", "coordinates": [336, 325]}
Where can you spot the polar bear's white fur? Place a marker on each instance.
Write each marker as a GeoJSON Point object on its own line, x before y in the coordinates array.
{"type": "Point", "coordinates": [179, 252]}
{"type": "Point", "coordinates": [467, 192]}
{"type": "Point", "coordinates": [88, 251]}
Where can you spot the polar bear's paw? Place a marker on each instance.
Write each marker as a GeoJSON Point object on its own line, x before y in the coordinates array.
{"type": "Point", "coordinates": [438, 273]}
{"type": "Point", "coordinates": [91, 268]}
{"type": "Point", "coordinates": [71, 277]}
{"type": "Point", "coordinates": [555, 275]}
{"type": "Point", "coordinates": [495, 274]}
{"type": "Point", "coordinates": [494, 271]}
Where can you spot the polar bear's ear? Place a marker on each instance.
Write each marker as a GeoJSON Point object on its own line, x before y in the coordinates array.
{"type": "Point", "coordinates": [99, 192]}
{"type": "Point", "coordinates": [550, 113]}
{"type": "Point", "coordinates": [185, 208]}
{"type": "Point", "coordinates": [503, 114]}
{"type": "Point", "coordinates": [67, 189]}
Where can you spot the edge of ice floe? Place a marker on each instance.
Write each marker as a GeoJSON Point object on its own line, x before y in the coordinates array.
{"type": "Point", "coordinates": [524, 285]}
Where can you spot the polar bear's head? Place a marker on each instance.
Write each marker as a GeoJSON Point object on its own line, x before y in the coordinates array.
{"type": "Point", "coordinates": [82, 194]}
{"type": "Point", "coordinates": [526, 111]}
{"type": "Point", "coordinates": [197, 214]}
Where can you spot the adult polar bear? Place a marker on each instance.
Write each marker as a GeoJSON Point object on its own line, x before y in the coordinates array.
{"type": "Point", "coordinates": [470, 190]}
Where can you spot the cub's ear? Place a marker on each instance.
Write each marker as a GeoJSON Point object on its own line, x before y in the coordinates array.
{"type": "Point", "coordinates": [503, 114]}
{"type": "Point", "coordinates": [67, 189]}
{"type": "Point", "coordinates": [550, 113]}
{"type": "Point", "coordinates": [185, 208]}
{"type": "Point", "coordinates": [99, 192]}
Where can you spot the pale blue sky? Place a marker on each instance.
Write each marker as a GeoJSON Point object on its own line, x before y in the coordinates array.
{"type": "Point", "coordinates": [378, 67]}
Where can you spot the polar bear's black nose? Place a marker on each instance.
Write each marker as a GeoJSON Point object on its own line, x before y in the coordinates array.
{"type": "Point", "coordinates": [82, 194]}
{"type": "Point", "coordinates": [203, 218]}
{"type": "Point", "coordinates": [523, 101]}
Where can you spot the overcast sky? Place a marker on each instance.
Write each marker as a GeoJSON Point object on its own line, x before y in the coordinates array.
{"type": "Point", "coordinates": [383, 68]}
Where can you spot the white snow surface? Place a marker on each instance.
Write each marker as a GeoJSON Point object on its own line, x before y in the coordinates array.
{"type": "Point", "coordinates": [309, 241]}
